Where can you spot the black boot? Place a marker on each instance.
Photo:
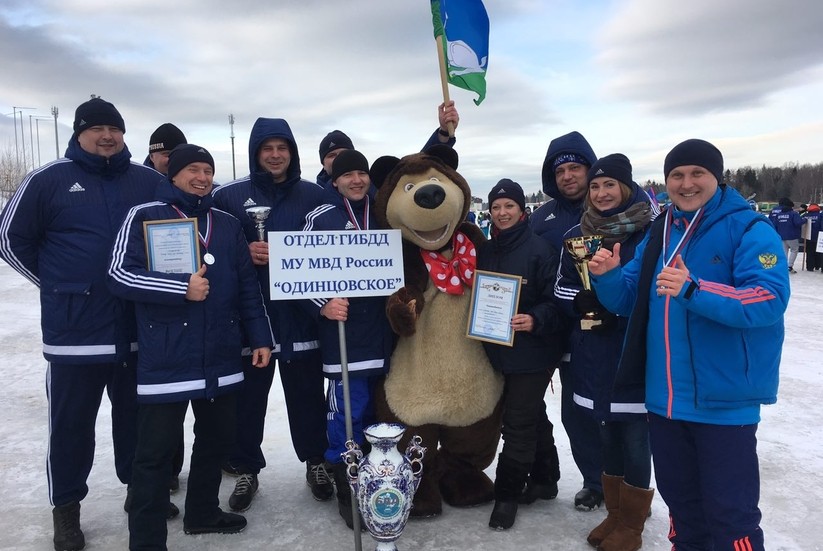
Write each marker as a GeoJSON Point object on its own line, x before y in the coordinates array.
{"type": "Point", "coordinates": [508, 487]}
{"type": "Point", "coordinates": [67, 533]}
{"type": "Point", "coordinates": [544, 472]}
{"type": "Point", "coordinates": [344, 497]}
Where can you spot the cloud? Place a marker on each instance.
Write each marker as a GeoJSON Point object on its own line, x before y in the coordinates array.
{"type": "Point", "coordinates": [704, 56]}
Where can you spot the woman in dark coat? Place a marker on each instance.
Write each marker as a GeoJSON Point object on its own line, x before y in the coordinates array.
{"type": "Point", "coordinates": [619, 211]}
{"type": "Point", "coordinates": [528, 364]}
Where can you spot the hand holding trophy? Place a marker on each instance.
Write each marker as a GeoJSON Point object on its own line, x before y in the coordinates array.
{"type": "Point", "coordinates": [259, 215]}
{"type": "Point", "coordinates": [582, 249]}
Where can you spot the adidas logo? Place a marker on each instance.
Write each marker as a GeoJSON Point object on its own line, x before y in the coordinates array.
{"type": "Point", "coordinates": [717, 260]}
{"type": "Point", "coordinates": [82, 122]}
{"type": "Point", "coordinates": [501, 191]}
{"type": "Point", "coordinates": [201, 150]}
{"type": "Point", "coordinates": [550, 217]}
{"type": "Point", "coordinates": [249, 203]}
{"type": "Point", "coordinates": [599, 171]}
{"type": "Point", "coordinates": [76, 187]}
{"type": "Point", "coordinates": [349, 226]}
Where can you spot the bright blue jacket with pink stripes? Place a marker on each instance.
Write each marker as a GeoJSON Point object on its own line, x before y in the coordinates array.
{"type": "Point", "coordinates": [711, 354]}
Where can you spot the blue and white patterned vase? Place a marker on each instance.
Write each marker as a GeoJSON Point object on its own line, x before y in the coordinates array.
{"type": "Point", "coordinates": [384, 481]}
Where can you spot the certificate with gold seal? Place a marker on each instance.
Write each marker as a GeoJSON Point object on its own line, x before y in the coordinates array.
{"type": "Point", "coordinates": [172, 246]}
{"type": "Point", "coordinates": [493, 304]}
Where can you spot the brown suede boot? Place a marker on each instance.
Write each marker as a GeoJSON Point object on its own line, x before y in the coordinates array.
{"type": "Point", "coordinates": [634, 510]}
{"type": "Point", "coordinates": [611, 496]}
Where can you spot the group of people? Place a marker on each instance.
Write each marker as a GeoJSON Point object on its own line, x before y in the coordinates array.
{"type": "Point", "coordinates": [668, 351]}
{"type": "Point", "coordinates": [789, 224]}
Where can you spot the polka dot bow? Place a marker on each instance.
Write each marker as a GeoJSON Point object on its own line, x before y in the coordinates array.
{"type": "Point", "coordinates": [450, 275]}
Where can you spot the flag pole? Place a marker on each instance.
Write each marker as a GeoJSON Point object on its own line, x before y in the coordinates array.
{"type": "Point", "coordinates": [344, 371]}
{"type": "Point", "coordinates": [444, 78]}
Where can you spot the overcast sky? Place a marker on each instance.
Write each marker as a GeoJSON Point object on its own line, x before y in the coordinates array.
{"type": "Point", "coordinates": [634, 76]}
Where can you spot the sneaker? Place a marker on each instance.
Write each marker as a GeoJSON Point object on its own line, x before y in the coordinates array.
{"type": "Point", "coordinates": [317, 477]}
{"type": "Point", "coordinates": [67, 533]}
{"type": "Point", "coordinates": [587, 499]}
{"type": "Point", "coordinates": [172, 512]}
{"type": "Point", "coordinates": [225, 523]}
{"type": "Point", "coordinates": [537, 490]}
{"type": "Point", "coordinates": [243, 493]}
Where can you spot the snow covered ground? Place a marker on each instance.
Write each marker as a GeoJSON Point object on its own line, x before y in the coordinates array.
{"type": "Point", "coordinates": [284, 516]}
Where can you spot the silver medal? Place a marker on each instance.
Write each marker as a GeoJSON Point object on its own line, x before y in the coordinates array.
{"type": "Point", "coordinates": [208, 258]}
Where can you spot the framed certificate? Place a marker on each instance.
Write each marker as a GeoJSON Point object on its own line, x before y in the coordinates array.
{"type": "Point", "coordinates": [172, 245]}
{"type": "Point", "coordinates": [493, 303]}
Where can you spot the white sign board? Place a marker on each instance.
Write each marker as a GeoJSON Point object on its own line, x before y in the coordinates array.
{"type": "Point", "coordinates": [327, 264]}
{"type": "Point", "coordinates": [819, 248]}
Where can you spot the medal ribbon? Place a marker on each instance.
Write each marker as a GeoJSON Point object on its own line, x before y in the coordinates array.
{"type": "Point", "coordinates": [204, 240]}
{"type": "Point", "coordinates": [450, 275]}
{"type": "Point", "coordinates": [353, 218]}
{"type": "Point", "coordinates": [692, 227]}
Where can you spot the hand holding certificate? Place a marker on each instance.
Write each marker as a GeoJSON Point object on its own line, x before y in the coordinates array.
{"type": "Point", "coordinates": [172, 246]}
{"type": "Point", "coordinates": [493, 306]}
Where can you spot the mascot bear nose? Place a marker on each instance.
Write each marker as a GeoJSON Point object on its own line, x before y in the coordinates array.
{"type": "Point", "coordinates": [429, 196]}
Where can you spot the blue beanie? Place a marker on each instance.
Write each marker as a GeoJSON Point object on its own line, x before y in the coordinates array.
{"type": "Point", "coordinates": [186, 154]}
{"type": "Point", "coordinates": [695, 152]}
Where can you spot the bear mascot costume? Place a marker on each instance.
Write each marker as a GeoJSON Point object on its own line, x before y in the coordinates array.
{"type": "Point", "coordinates": [440, 384]}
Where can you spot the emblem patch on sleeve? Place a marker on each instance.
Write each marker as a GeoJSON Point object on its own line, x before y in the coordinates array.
{"type": "Point", "coordinates": [768, 260]}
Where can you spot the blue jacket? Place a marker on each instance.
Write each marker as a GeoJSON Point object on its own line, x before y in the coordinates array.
{"type": "Point", "coordinates": [711, 354]}
{"type": "Point", "coordinates": [290, 201]}
{"type": "Point", "coordinates": [518, 251]}
{"type": "Point", "coordinates": [555, 217]}
{"type": "Point", "coordinates": [787, 222]}
{"type": "Point", "coordinates": [369, 338]}
{"type": "Point", "coordinates": [815, 217]}
{"type": "Point", "coordinates": [57, 231]}
{"type": "Point", "coordinates": [189, 350]}
{"type": "Point", "coordinates": [595, 354]}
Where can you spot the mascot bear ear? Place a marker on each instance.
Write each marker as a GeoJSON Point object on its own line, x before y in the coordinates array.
{"type": "Point", "coordinates": [445, 153]}
{"type": "Point", "coordinates": [380, 169]}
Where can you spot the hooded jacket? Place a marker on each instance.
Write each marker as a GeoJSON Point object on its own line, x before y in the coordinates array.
{"type": "Point", "coordinates": [57, 231]}
{"type": "Point", "coordinates": [595, 353]}
{"type": "Point", "coordinates": [555, 217]}
{"type": "Point", "coordinates": [189, 350]}
{"type": "Point", "coordinates": [290, 201]}
{"type": "Point", "coordinates": [787, 222]}
{"type": "Point", "coordinates": [369, 338]}
{"type": "Point", "coordinates": [711, 354]}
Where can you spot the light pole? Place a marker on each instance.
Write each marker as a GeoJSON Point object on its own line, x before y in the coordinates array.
{"type": "Point", "coordinates": [231, 125]}
{"type": "Point", "coordinates": [37, 120]}
{"type": "Point", "coordinates": [54, 111]}
{"type": "Point", "coordinates": [31, 139]}
{"type": "Point", "coordinates": [22, 136]}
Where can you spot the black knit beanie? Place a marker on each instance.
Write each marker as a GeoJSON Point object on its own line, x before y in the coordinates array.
{"type": "Point", "coordinates": [615, 166]}
{"type": "Point", "coordinates": [348, 161]}
{"type": "Point", "coordinates": [695, 152]}
{"type": "Point", "coordinates": [185, 154]}
{"type": "Point", "coordinates": [508, 189]}
{"type": "Point", "coordinates": [334, 140]}
{"type": "Point", "coordinates": [97, 112]}
{"type": "Point", "coordinates": [165, 138]}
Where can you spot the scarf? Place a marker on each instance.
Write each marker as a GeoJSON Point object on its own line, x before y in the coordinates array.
{"type": "Point", "coordinates": [617, 227]}
{"type": "Point", "coordinates": [450, 275]}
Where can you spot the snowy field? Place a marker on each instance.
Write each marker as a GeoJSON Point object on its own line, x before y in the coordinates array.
{"type": "Point", "coordinates": [284, 516]}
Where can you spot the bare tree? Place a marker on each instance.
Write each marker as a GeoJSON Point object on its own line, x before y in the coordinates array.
{"type": "Point", "coordinates": [12, 171]}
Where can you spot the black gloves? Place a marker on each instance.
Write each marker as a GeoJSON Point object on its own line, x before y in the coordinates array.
{"type": "Point", "coordinates": [586, 301]}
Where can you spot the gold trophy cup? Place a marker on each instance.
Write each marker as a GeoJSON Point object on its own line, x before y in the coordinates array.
{"type": "Point", "coordinates": [582, 249]}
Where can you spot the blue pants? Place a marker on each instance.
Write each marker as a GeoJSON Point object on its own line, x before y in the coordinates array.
{"type": "Point", "coordinates": [74, 394]}
{"type": "Point", "coordinates": [158, 439]}
{"type": "Point", "coordinates": [362, 414]}
{"type": "Point", "coordinates": [583, 432]}
{"type": "Point", "coordinates": [709, 477]}
{"type": "Point", "coordinates": [304, 391]}
{"type": "Point", "coordinates": [626, 450]}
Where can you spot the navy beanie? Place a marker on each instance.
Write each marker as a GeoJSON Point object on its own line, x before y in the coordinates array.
{"type": "Point", "coordinates": [615, 166]}
{"type": "Point", "coordinates": [186, 154]}
{"type": "Point", "coordinates": [508, 189]}
{"type": "Point", "coordinates": [695, 152]}
{"type": "Point", "coordinates": [97, 112]}
{"type": "Point", "coordinates": [334, 140]}
{"type": "Point", "coordinates": [165, 138]}
{"type": "Point", "coordinates": [348, 161]}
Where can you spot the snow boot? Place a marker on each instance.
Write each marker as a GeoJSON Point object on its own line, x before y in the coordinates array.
{"type": "Point", "coordinates": [611, 495]}
{"type": "Point", "coordinates": [634, 510]}
{"type": "Point", "coordinates": [508, 487]}
{"type": "Point", "coordinates": [67, 533]}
